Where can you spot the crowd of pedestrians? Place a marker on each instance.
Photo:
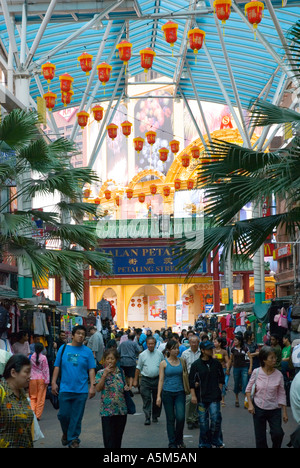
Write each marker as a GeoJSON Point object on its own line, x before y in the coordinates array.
{"type": "Point", "coordinates": [186, 375]}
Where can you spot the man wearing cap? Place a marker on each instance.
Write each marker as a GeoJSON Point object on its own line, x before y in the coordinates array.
{"type": "Point", "coordinates": [206, 380]}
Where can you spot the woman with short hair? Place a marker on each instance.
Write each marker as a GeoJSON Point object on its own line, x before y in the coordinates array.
{"type": "Point", "coordinates": [269, 400]}
{"type": "Point", "coordinates": [16, 415]}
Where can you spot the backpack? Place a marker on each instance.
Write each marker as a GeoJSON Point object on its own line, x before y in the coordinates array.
{"type": "Point", "coordinates": [4, 316]}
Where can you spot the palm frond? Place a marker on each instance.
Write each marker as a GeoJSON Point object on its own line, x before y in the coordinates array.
{"type": "Point", "coordinates": [19, 128]}
{"type": "Point", "coordinates": [264, 113]}
{"type": "Point", "coordinates": [77, 209]}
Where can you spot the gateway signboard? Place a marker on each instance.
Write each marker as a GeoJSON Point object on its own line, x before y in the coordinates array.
{"type": "Point", "coordinates": [147, 261]}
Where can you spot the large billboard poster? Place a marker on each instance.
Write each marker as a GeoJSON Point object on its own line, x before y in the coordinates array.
{"type": "Point", "coordinates": [154, 114]}
{"type": "Point", "coordinates": [116, 151]}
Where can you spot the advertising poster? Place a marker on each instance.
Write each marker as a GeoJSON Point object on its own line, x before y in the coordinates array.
{"type": "Point", "coordinates": [156, 304]}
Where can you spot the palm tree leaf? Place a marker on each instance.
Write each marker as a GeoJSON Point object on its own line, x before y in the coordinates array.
{"type": "Point", "coordinates": [19, 128]}
{"type": "Point", "coordinates": [77, 209]}
{"type": "Point", "coordinates": [264, 113]}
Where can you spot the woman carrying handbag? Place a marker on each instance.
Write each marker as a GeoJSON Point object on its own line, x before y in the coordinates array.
{"type": "Point", "coordinates": [267, 403]}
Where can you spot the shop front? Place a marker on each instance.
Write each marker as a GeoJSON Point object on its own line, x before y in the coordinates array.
{"type": "Point", "coordinates": [148, 286]}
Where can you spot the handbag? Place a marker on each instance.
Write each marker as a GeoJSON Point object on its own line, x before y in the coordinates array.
{"type": "Point", "coordinates": [185, 377]}
{"type": "Point", "coordinates": [283, 321]}
{"type": "Point", "coordinates": [254, 387]}
{"type": "Point", "coordinates": [54, 398]}
{"type": "Point", "coordinates": [128, 399]}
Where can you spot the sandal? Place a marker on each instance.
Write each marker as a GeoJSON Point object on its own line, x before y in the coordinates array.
{"type": "Point", "coordinates": [237, 405]}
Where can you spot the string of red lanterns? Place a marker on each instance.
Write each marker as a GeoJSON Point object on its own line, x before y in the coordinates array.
{"type": "Point", "coordinates": [254, 12]}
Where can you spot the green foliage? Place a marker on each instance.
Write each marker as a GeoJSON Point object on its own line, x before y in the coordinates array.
{"type": "Point", "coordinates": [70, 247]}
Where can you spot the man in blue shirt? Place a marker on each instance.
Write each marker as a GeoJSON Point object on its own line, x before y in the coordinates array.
{"type": "Point", "coordinates": [76, 364]}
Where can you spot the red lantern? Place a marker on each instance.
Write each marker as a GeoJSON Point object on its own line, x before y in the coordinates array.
{"type": "Point", "coordinates": [153, 189]}
{"type": "Point", "coordinates": [117, 200]}
{"type": "Point", "coordinates": [170, 31]}
{"type": "Point", "coordinates": [86, 193]}
{"type": "Point", "coordinates": [174, 145]}
{"type": "Point", "coordinates": [104, 72]}
{"type": "Point", "coordinates": [124, 49]}
{"type": "Point", "coordinates": [222, 9]}
{"type": "Point", "coordinates": [66, 82]}
{"type": "Point", "coordinates": [195, 150]}
{"type": "Point", "coordinates": [129, 193]}
{"type": "Point", "coordinates": [150, 137]}
{"type": "Point", "coordinates": [190, 184]}
{"type": "Point", "coordinates": [97, 201]}
{"type": "Point", "coordinates": [50, 100]}
{"type": "Point", "coordinates": [85, 60]}
{"type": "Point", "coordinates": [142, 197]}
{"type": "Point", "coordinates": [254, 12]}
{"type": "Point", "coordinates": [185, 160]}
{"type": "Point", "coordinates": [107, 194]}
{"type": "Point", "coordinates": [163, 154]}
{"type": "Point", "coordinates": [66, 97]}
{"type": "Point", "coordinates": [177, 184]}
{"type": "Point", "coordinates": [166, 190]}
{"type": "Point", "coordinates": [147, 56]}
{"type": "Point", "coordinates": [82, 118]}
{"type": "Point", "coordinates": [98, 113]}
{"type": "Point", "coordinates": [112, 130]}
{"type": "Point", "coordinates": [196, 37]}
{"type": "Point", "coordinates": [48, 70]}
{"type": "Point", "coordinates": [126, 128]}
{"type": "Point", "coordinates": [138, 144]}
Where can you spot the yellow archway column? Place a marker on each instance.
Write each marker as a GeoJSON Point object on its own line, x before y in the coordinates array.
{"type": "Point", "coordinates": [172, 297]}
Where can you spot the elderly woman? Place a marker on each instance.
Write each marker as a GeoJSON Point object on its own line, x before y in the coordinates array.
{"type": "Point", "coordinates": [16, 415]}
{"type": "Point", "coordinates": [268, 403]}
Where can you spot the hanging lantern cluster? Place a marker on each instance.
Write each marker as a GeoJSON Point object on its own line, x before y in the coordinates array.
{"type": "Point", "coordinates": [174, 145]}
{"type": "Point", "coordinates": [141, 197]}
{"type": "Point", "coordinates": [254, 12]}
{"type": "Point", "coordinates": [222, 9]}
{"type": "Point", "coordinates": [153, 189]}
{"type": "Point", "coordinates": [170, 32]}
{"type": "Point", "coordinates": [166, 190]}
{"type": "Point", "coordinates": [129, 194]}
{"type": "Point", "coordinates": [86, 63]}
{"type": "Point", "coordinates": [104, 70]}
{"type": "Point", "coordinates": [82, 118]}
{"type": "Point", "coordinates": [195, 150]}
{"type": "Point", "coordinates": [147, 57]}
{"type": "Point", "coordinates": [163, 154]}
{"type": "Point", "coordinates": [126, 128]}
{"type": "Point", "coordinates": [48, 70]}
{"type": "Point", "coordinates": [112, 130]}
{"type": "Point", "coordinates": [124, 49]}
{"type": "Point", "coordinates": [107, 194]}
{"type": "Point", "coordinates": [185, 160]}
{"type": "Point", "coordinates": [138, 144]}
{"type": "Point", "coordinates": [50, 100]}
{"type": "Point", "coordinates": [196, 37]}
{"type": "Point", "coordinates": [98, 113]}
{"type": "Point", "coordinates": [151, 137]}
{"type": "Point", "coordinates": [190, 184]}
{"type": "Point", "coordinates": [177, 184]}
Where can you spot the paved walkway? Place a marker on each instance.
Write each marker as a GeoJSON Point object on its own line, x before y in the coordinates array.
{"type": "Point", "coordinates": [237, 428]}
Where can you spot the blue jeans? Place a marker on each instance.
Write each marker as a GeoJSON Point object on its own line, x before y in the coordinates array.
{"type": "Point", "coordinates": [174, 404]}
{"type": "Point", "coordinates": [241, 377]}
{"type": "Point", "coordinates": [70, 414]}
{"type": "Point", "coordinates": [210, 420]}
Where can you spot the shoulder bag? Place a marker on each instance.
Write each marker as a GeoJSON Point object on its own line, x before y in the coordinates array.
{"type": "Point", "coordinates": [185, 377]}
{"type": "Point", "coordinates": [54, 398]}
{"type": "Point", "coordinates": [128, 399]}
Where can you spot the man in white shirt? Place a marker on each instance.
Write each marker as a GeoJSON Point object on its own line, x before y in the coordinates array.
{"type": "Point", "coordinates": [148, 367]}
{"type": "Point", "coordinates": [191, 355]}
